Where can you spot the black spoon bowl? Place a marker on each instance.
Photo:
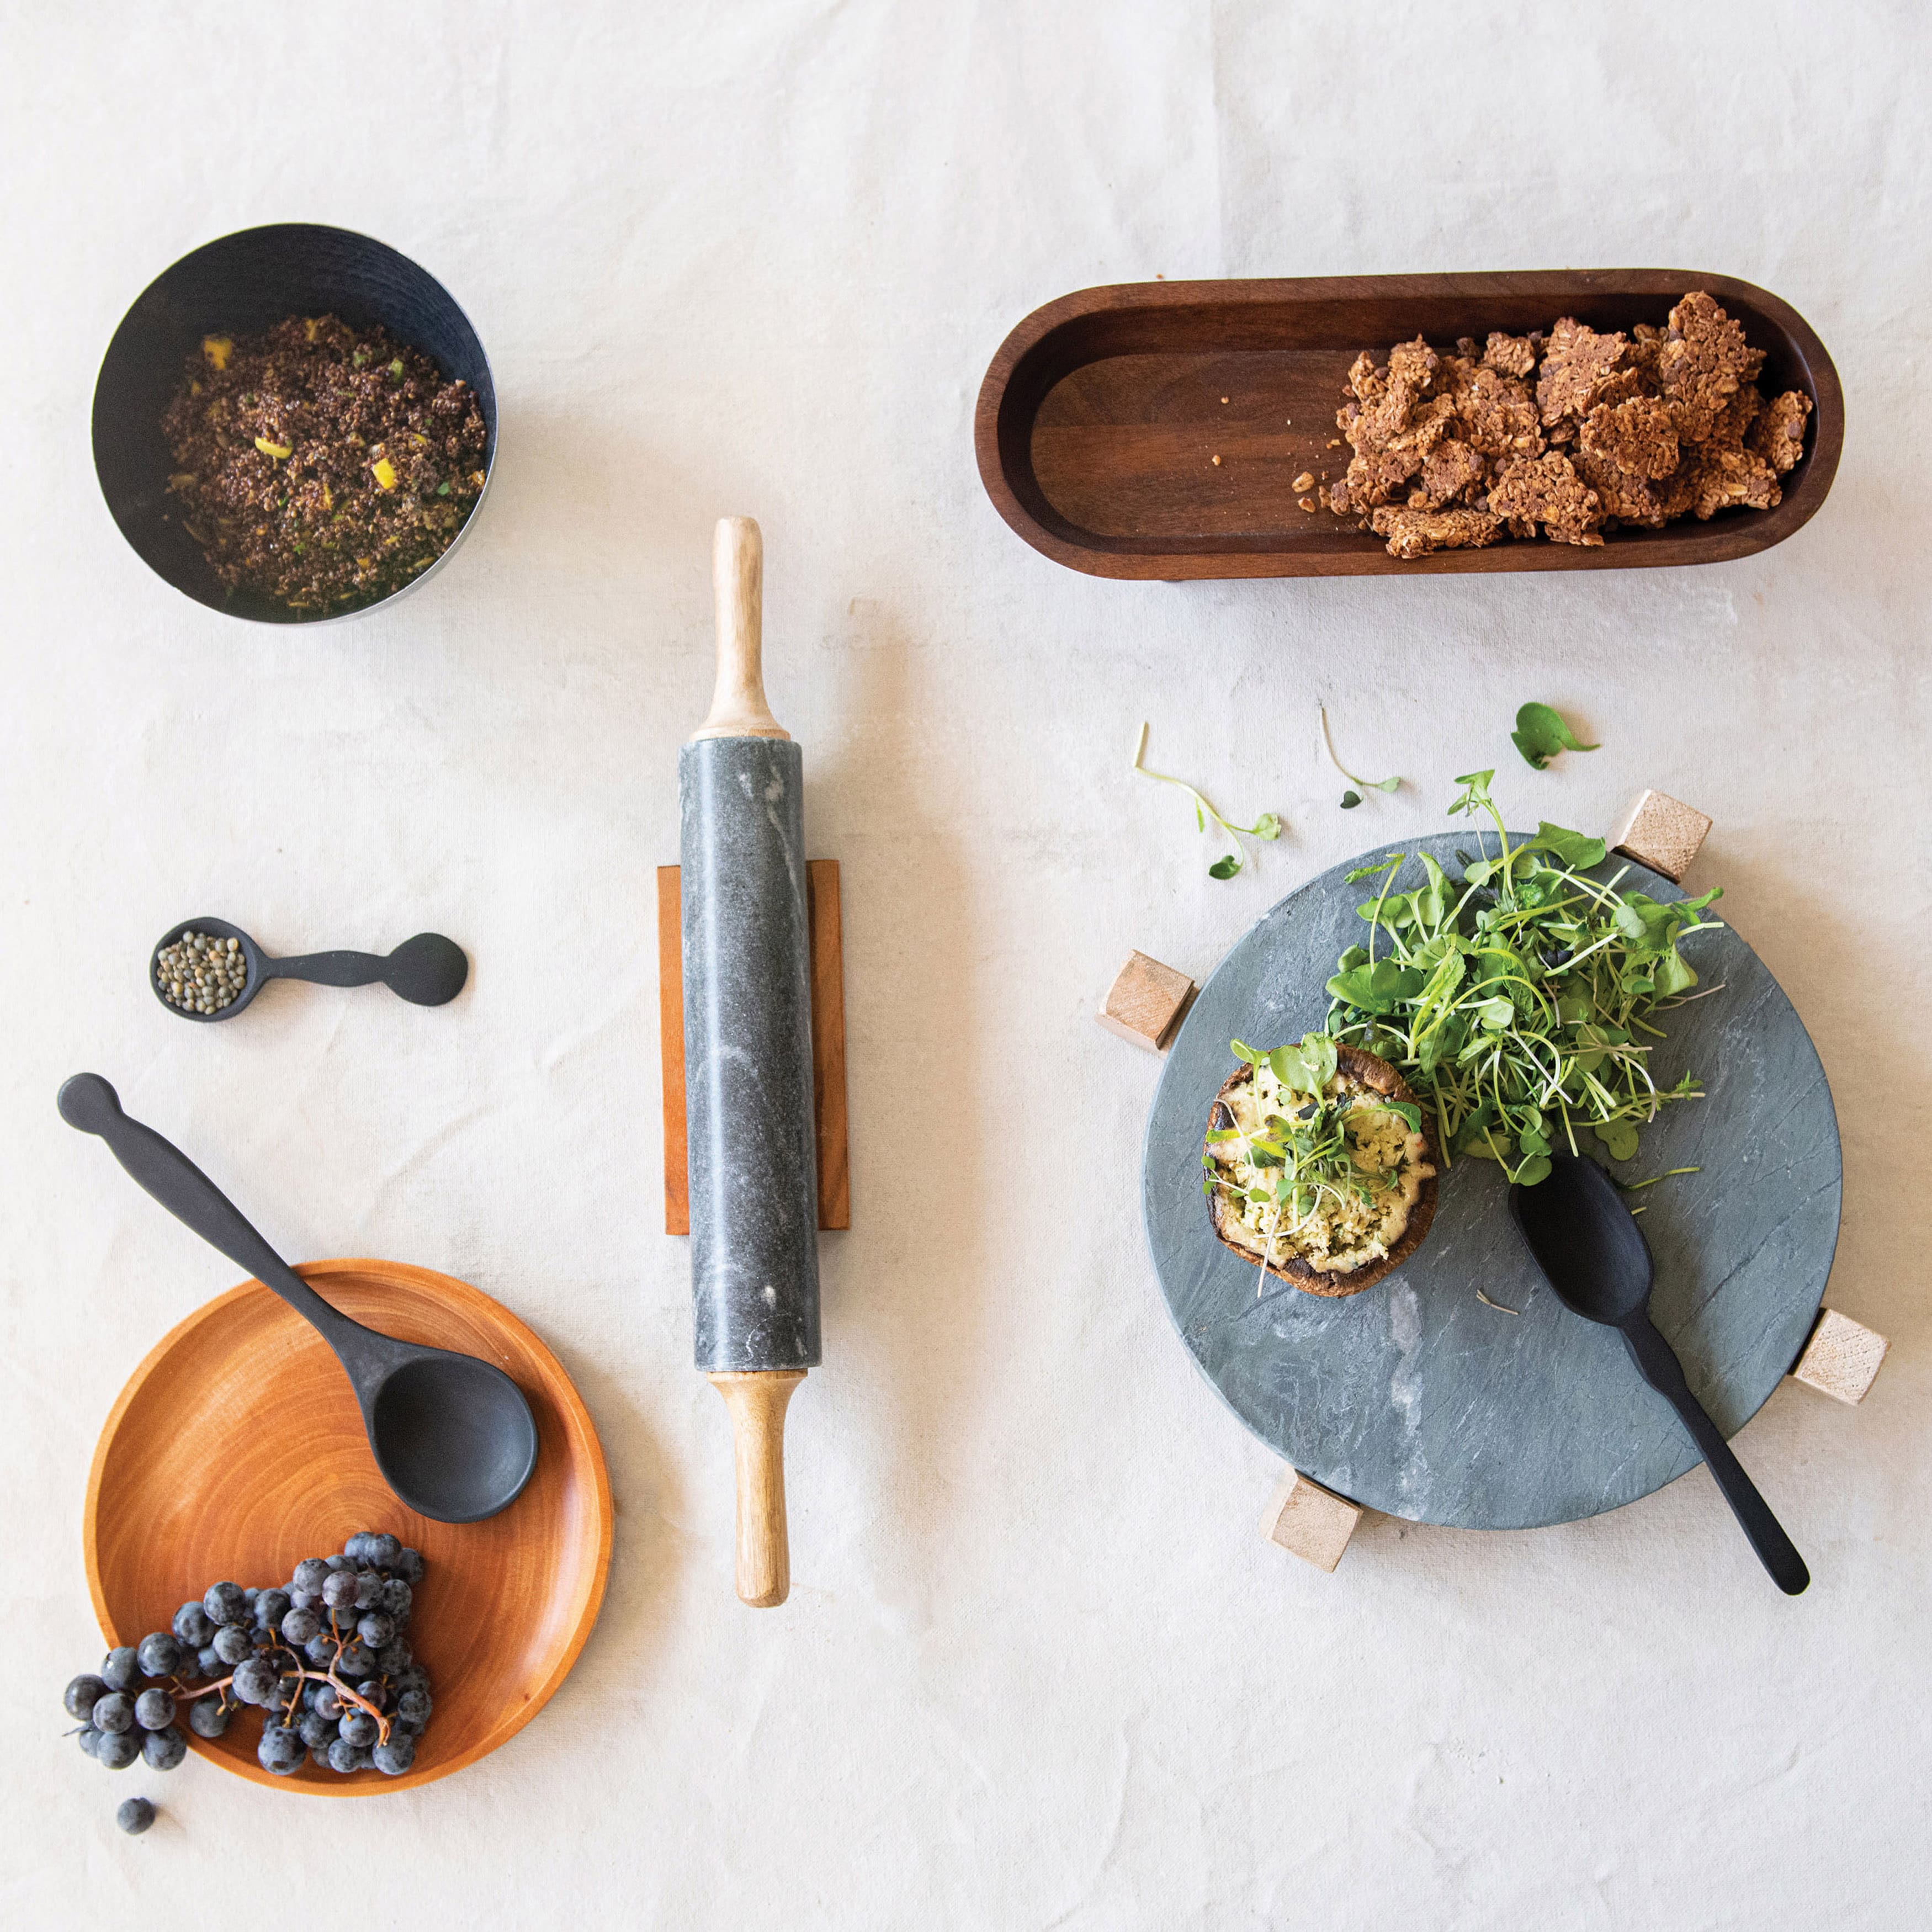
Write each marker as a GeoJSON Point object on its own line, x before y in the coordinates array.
{"type": "Point", "coordinates": [453, 1436]}
{"type": "Point", "coordinates": [1594, 1256]}
{"type": "Point", "coordinates": [428, 970]}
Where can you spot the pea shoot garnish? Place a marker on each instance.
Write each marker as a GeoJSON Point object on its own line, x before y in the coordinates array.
{"type": "Point", "coordinates": [1512, 999]}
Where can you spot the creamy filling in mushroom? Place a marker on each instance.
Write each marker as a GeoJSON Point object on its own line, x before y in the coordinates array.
{"type": "Point", "coordinates": [1333, 1186]}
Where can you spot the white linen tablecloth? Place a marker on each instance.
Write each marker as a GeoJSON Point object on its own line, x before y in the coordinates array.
{"type": "Point", "coordinates": [1038, 1669]}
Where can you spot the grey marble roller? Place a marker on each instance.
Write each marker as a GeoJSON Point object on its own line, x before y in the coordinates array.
{"type": "Point", "coordinates": [754, 1183]}
{"type": "Point", "coordinates": [747, 1055]}
{"type": "Point", "coordinates": [1416, 1398]}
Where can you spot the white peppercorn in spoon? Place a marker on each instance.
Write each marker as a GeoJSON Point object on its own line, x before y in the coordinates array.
{"type": "Point", "coordinates": [206, 969]}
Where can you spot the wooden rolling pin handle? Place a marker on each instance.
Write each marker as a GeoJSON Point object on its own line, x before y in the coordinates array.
{"type": "Point", "coordinates": [738, 707]}
{"type": "Point", "coordinates": [757, 1398]}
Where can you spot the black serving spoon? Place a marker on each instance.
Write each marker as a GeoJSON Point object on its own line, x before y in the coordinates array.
{"type": "Point", "coordinates": [453, 1436]}
{"type": "Point", "coordinates": [1593, 1253]}
{"type": "Point", "coordinates": [428, 970]}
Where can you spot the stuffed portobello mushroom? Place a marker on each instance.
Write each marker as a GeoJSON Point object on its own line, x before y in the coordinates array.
{"type": "Point", "coordinates": [1319, 1166]}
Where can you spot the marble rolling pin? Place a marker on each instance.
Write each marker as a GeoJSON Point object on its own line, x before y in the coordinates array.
{"type": "Point", "coordinates": [748, 1062]}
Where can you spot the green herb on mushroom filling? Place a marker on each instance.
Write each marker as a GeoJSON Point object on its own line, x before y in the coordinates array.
{"type": "Point", "coordinates": [1313, 1165]}
{"type": "Point", "coordinates": [1513, 1000]}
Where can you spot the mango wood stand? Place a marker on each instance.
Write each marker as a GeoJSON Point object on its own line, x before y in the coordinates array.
{"type": "Point", "coordinates": [1146, 1004]}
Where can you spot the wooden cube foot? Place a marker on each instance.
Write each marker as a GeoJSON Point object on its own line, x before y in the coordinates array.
{"type": "Point", "coordinates": [1842, 1358]}
{"type": "Point", "coordinates": [1662, 832]}
{"type": "Point", "coordinates": [1310, 1522]}
{"type": "Point", "coordinates": [1147, 1003]}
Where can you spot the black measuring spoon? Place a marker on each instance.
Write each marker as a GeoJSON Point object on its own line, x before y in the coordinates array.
{"type": "Point", "coordinates": [453, 1436]}
{"type": "Point", "coordinates": [428, 970]}
{"type": "Point", "coordinates": [1594, 1255]}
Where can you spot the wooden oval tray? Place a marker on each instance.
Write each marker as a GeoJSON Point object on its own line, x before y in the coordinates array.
{"type": "Point", "coordinates": [1101, 414]}
{"type": "Point", "coordinates": [1413, 1397]}
{"type": "Point", "coordinates": [237, 1449]}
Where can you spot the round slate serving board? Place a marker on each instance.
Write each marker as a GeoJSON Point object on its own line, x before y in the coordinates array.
{"type": "Point", "coordinates": [1413, 1397]}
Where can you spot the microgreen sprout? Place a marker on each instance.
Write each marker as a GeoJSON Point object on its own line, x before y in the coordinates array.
{"type": "Point", "coordinates": [1267, 826]}
{"type": "Point", "coordinates": [1512, 999]}
{"type": "Point", "coordinates": [1350, 798]}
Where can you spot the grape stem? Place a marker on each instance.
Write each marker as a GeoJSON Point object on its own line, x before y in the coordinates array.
{"type": "Point", "coordinates": [328, 1676]}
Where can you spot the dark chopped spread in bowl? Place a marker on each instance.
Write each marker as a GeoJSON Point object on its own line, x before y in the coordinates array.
{"type": "Point", "coordinates": [322, 465]}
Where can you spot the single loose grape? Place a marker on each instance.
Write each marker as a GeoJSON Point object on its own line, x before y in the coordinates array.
{"type": "Point", "coordinates": [82, 1694]}
{"type": "Point", "coordinates": [160, 1655]}
{"type": "Point", "coordinates": [225, 1604]}
{"type": "Point", "coordinates": [154, 1710]}
{"type": "Point", "coordinates": [209, 1716]}
{"type": "Point", "coordinates": [135, 1815]}
{"type": "Point", "coordinates": [121, 1670]}
{"type": "Point", "coordinates": [163, 1750]}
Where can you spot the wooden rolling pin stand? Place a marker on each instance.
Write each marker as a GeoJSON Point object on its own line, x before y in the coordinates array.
{"type": "Point", "coordinates": [1147, 1004]}
{"type": "Point", "coordinates": [761, 1483]}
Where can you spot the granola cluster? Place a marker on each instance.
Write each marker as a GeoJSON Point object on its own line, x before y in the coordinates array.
{"type": "Point", "coordinates": [1573, 433]}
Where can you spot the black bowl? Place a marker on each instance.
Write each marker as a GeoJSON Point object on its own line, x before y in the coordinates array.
{"type": "Point", "coordinates": [239, 286]}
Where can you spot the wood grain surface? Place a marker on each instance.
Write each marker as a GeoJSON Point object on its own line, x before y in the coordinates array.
{"type": "Point", "coordinates": [1103, 414]}
{"type": "Point", "coordinates": [825, 913]}
{"type": "Point", "coordinates": [236, 1449]}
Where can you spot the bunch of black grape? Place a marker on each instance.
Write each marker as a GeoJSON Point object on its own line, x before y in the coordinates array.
{"type": "Point", "coordinates": [323, 1656]}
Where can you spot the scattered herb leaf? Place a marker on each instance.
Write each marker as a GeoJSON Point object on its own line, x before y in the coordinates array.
{"type": "Point", "coordinates": [1267, 826]}
{"type": "Point", "coordinates": [1541, 734]}
{"type": "Point", "coordinates": [1350, 799]}
{"type": "Point", "coordinates": [1496, 1305]}
{"type": "Point", "coordinates": [1389, 785]}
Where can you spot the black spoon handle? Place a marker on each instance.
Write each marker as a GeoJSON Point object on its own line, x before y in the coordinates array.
{"type": "Point", "coordinates": [329, 969]}
{"type": "Point", "coordinates": [88, 1102]}
{"type": "Point", "coordinates": [1657, 1361]}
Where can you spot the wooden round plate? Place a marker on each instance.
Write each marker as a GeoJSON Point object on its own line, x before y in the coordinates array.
{"type": "Point", "coordinates": [237, 1449]}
